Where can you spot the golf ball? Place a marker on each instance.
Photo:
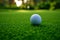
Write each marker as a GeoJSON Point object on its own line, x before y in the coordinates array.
{"type": "Point", "coordinates": [35, 19]}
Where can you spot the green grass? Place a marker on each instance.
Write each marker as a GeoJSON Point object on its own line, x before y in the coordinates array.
{"type": "Point", "coordinates": [15, 25]}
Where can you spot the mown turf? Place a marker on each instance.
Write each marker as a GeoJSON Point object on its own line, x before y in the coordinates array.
{"type": "Point", "coordinates": [15, 25]}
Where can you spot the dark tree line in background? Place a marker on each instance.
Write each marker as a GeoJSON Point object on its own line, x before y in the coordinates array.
{"type": "Point", "coordinates": [10, 2]}
{"type": "Point", "coordinates": [2, 2]}
{"type": "Point", "coordinates": [38, 3]}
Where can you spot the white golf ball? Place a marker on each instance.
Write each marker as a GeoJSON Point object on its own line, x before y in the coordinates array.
{"type": "Point", "coordinates": [35, 19]}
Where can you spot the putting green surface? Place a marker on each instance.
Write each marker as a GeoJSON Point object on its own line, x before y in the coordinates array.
{"type": "Point", "coordinates": [15, 25]}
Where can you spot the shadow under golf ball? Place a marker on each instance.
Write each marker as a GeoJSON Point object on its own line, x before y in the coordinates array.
{"type": "Point", "coordinates": [35, 24]}
{"type": "Point", "coordinates": [38, 25]}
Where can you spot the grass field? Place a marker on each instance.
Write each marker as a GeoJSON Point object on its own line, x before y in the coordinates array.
{"type": "Point", "coordinates": [15, 25]}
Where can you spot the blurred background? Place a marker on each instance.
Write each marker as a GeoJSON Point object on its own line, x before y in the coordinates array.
{"type": "Point", "coordinates": [30, 4]}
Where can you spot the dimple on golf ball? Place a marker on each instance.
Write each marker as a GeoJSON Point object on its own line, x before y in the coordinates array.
{"type": "Point", "coordinates": [35, 19]}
